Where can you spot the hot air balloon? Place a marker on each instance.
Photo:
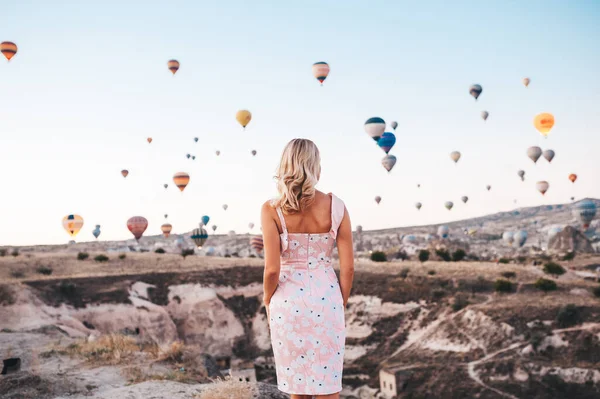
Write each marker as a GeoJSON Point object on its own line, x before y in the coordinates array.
{"type": "Point", "coordinates": [484, 115]}
{"type": "Point", "coordinates": [394, 125]}
{"type": "Point", "coordinates": [124, 172]}
{"type": "Point", "coordinates": [508, 237]}
{"type": "Point", "coordinates": [585, 211]}
{"type": "Point", "coordinates": [549, 155]}
{"type": "Point", "coordinates": [455, 156]}
{"type": "Point", "coordinates": [475, 91]}
{"type": "Point", "coordinates": [534, 153]}
{"type": "Point", "coordinates": [205, 219]}
{"type": "Point", "coordinates": [256, 243]}
{"type": "Point", "coordinates": [199, 236]}
{"type": "Point", "coordinates": [572, 198]}
{"type": "Point", "coordinates": [218, 152]}
{"type": "Point", "coordinates": [188, 156]}
{"type": "Point", "coordinates": [378, 199]}
{"type": "Point", "coordinates": [554, 231]}
{"type": "Point", "coordinates": [180, 242]}
{"type": "Point", "coordinates": [543, 123]}
{"type": "Point", "coordinates": [520, 237]}
{"type": "Point", "coordinates": [386, 141]}
{"type": "Point", "coordinates": [443, 231]}
{"type": "Point", "coordinates": [521, 174]}
{"type": "Point", "coordinates": [526, 81]}
{"type": "Point", "coordinates": [72, 223]}
{"type": "Point", "coordinates": [165, 185]}
{"type": "Point", "coordinates": [181, 180]}
{"type": "Point", "coordinates": [388, 162]}
{"type": "Point", "coordinates": [572, 177]}
{"type": "Point", "coordinates": [488, 187]}
{"type": "Point", "coordinates": [243, 117]}
{"type": "Point", "coordinates": [250, 225]}
{"type": "Point", "coordinates": [137, 225]}
{"type": "Point", "coordinates": [173, 66]}
{"type": "Point", "coordinates": [225, 206]}
{"type": "Point", "coordinates": [464, 198]}
{"type": "Point", "coordinates": [449, 205]}
{"type": "Point", "coordinates": [320, 71]}
{"type": "Point", "coordinates": [418, 186]}
{"type": "Point", "coordinates": [149, 140]}
{"type": "Point", "coordinates": [193, 157]}
{"type": "Point", "coordinates": [166, 229]}
{"type": "Point", "coordinates": [409, 239]}
{"type": "Point", "coordinates": [9, 49]}
{"type": "Point", "coordinates": [96, 232]}
{"type": "Point", "coordinates": [359, 229]}
{"type": "Point", "coordinates": [166, 215]}
{"type": "Point", "coordinates": [542, 186]}
{"type": "Point", "coordinates": [214, 227]}
{"type": "Point", "coordinates": [231, 233]}
{"type": "Point", "coordinates": [195, 139]}
{"type": "Point", "coordinates": [253, 153]}
{"type": "Point", "coordinates": [418, 205]}
{"type": "Point", "coordinates": [375, 127]}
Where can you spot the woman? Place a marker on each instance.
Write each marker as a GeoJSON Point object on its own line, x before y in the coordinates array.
{"type": "Point", "coordinates": [305, 303]}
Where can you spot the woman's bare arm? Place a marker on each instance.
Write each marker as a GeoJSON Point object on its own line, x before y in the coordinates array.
{"type": "Point", "coordinates": [346, 254]}
{"type": "Point", "coordinates": [272, 250]}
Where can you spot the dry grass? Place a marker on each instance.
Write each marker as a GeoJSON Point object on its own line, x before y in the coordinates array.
{"type": "Point", "coordinates": [136, 374]}
{"type": "Point", "coordinates": [110, 349]}
{"type": "Point", "coordinates": [227, 389]}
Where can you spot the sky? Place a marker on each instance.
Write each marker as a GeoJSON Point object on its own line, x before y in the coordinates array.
{"type": "Point", "coordinates": [90, 83]}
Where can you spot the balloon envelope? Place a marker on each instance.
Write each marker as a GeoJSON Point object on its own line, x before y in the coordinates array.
{"type": "Point", "coordinates": [464, 199]}
{"type": "Point", "coordinates": [443, 231]}
{"type": "Point", "coordinates": [214, 227]}
{"type": "Point", "coordinates": [96, 232]}
{"type": "Point", "coordinates": [8, 49]}
{"type": "Point", "coordinates": [542, 186]}
{"type": "Point", "coordinates": [359, 229]}
{"type": "Point", "coordinates": [320, 71]}
{"type": "Point", "coordinates": [72, 224]}
{"type": "Point", "coordinates": [449, 205]}
{"type": "Point", "coordinates": [181, 180]}
{"type": "Point", "coordinates": [475, 91]}
{"type": "Point", "coordinates": [484, 115]}
{"type": "Point", "coordinates": [173, 66]}
{"type": "Point", "coordinates": [543, 123]}
{"type": "Point", "coordinates": [585, 211]}
{"type": "Point", "coordinates": [378, 199]}
{"type": "Point", "coordinates": [572, 177]}
{"type": "Point", "coordinates": [455, 156]}
{"type": "Point", "coordinates": [521, 174]}
{"type": "Point", "coordinates": [243, 117]}
{"type": "Point", "coordinates": [124, 172]}
{"type": "Point", "coordinates": [137, 225]}
{"type": "Point", "coordinates": [508, 237]}
{"type": "Point", "coordinates": [388, 162]}
{"type": "Point", "coordinates": [166, 229]}
{"type": "Point", "coordinates": [225, 206]}
{"type": "Point", "coordinates": [149, 139]}
{"type": "Point", "coordinates": [418, 205]}
{"type": "Point", "coordinates": [520, 238]}
{"type": "Point", "coordinates": [205, 219]}
{"type": "Point", "coordinates": [199, 236]}
{"type": "Point", "coordinates": [375, 127]}
{"type": "Point", "coordinates": [534, 153]}
{"type": "Point", "coordinates": [526, 81]}
{"type": "Point", "coordinates": [386, 141]}
{"type": "Point", "coordinates": [394, 125]}
{"type": "Point", "coordinates": [549, 155]}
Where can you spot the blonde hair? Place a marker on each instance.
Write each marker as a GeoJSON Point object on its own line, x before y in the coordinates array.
{"type": "Point", "coordinates": [298, 174]}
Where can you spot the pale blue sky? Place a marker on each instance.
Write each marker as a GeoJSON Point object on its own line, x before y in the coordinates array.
{"type": "Point", "coordinates": [90, 83]}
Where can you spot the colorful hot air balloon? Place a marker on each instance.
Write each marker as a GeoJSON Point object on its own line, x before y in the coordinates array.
{"type": "Point", "coordinates": [388, 162]}
{"type": "Point", "coordinates": [165, 185]}
{"type": "Point", "coordinates": [508, 237]}
{"type": "Point", "coordinates": [243, 117]}
{"type": "Point", "coordinates": [475, 91]}
{"type": "Point", "coordinates": [359, 229]}
{"type": "Point", "coordinates": [225, 206]}
{"type": "Point", "coordinates": [543, 123]}
{"type": "Point", "coordinates": [585, 211]}
{"type": "Point", "coordinates": [125, 172]}
{"type": "Point", "coordinates": [320, 71]}
{"type": "Point", "coordinates": [166, 229]}
{"type": "Point", "coordinates": [173, 66]}
{"type": "Point", "coordinates": [521, 174]}
{"type": "Point", "coordinates": [378, 199]}
{"type": "Point", "coordinates": [386, 141]}
{"type": "Point", "coordinates": [205, 219]}
{"type": "Point", "coordinates": [218, 152]}
{"type": "Point", "coordinates": [455, 156]}
{"type": "Point", "coordinates": [375, 127]}
{"type": "Point", "coordinates": [137, 225]}
{"type": "Point", "coordinates": [199, 236]}
{"type": "Point", "coordinates": [464, 199]}
{"type": "Point", "coordinates": [526, 81]}
{"type": "Point", "coordinates": [9, 49]}
{"type": "Point", "coordinates": [520, 237]}
{"type": "Point", "coordinates": [549, 155]}
{"type": "Point", "coordinates": [534, 153]}
{"type": "Point", "coordinates": [394, 125]}
{"type": "Point", "coordinates": [253, 152]}
{"type": "Point", "coordinates": [149, 140]}
{"type": "Point", "coordinates": [181, 180]}
{"type": "Point", "coordinates": [449, 205]}
{"type": "Point", "coordinates": [418, 205]}
{"type": "Point", "coordinates": [484, 115]}
{"type": "Point", "coordinates": [188, 156]}
{"type": "Point", "coordinates": [72, 223]}
{"type": "Point", "coordinates": [96, 232]}
{"type": "Point", "coordinates": [195, 139]}
{"type": "Point", "coordinates": [214, 227]}
{"type": "Point", "coordinates": [250, 225]}
{"type": "Point", "coordinates": [443, 231]}
{"type": "Point", "coordinates": [542, 186]}
{"type": "Point", "coordinates": [488, 187]}
{"type": "Point", "coordinates": [256, 242]}
{"type": "Point", "coordinates": [572, 177]}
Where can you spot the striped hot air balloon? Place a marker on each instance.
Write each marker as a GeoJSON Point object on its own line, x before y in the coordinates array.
{"type": "Point", "coordinates": [181, 180]}
{"type": "Point", "coordinates": [320, 71]}
{"type": "Point", "coordinates": [72, 224]}
{"type": "Point", "coordinates": [585, 211]}
{"type": "Point", "coordinates": [375, 127]}
{"type": "Point", "coordinates": [173, 66]}
{"type": "Point", "coordinates": [137, 225]}
{"type": "Point", "coordinates": [199, 236]}
{"type": "Point", "coordinates": [388, 162]}
{"type": "Point", "coordinates": [256, 242]}
{"type": "Point", "coordinates": [166, 229]}
{"type": "Point", "coordinates": [9, 49]}
{"type": "Point", "coordinates": [475, 91]}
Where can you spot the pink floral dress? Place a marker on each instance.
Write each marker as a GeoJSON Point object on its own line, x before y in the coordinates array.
{"type": "Point", "coordinates": [307, 312]}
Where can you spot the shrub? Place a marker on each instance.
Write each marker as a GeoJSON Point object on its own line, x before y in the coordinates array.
{"type": "Point", "coordinates": [45, 270]}
{"type": "Point", "coordinates": [554, 269]}
{"type": "Point", "coordinates": [504, 261]}
{"type": "Point", "coordinates": [522, 259]}
{"type": "Point", "coordinates": [101, 258]}
{"type": "Point", "coordinates": [82, 256]}
{"type": "Point", "coordinates": [431, 272]}
{"type": "Point", "coordinates": [508, 274]}
{"type": "Point", "coordinates": [187, 252]}
{"type": "Point", "coordinates": [378, 256]}
{"type": "Point", "coordinates": [460, 302]}
{"type": "Point", "coordinates": [15, 252]}
{"type": "Point", "coordinates": [596, 292]}
{"type": "Point", "coordinates": [437, 294]}
{"type": "Point", "coordinates": [404, 272]}
{"type": "Point", "coordinates": [67, 289]}
{"type": "Point", "coordinates": [458, 255]}
{"type": "Point", "coordinates": [568, 316]}
{"type": "Point", "coordinates": [17, 273]}
{"type": "Point", "coordinates": [545, 285]}
{"type": "Point", "coordinates": [160, 251]}
{"type": "Point", "coordinates": [569, 256]}
{"type": "Point", "coordinates": [502, 285]}
{"type": "Point", "coordinates": [252, 256]}
{"type": "Point", "coordinates": [227, 256]}
{"type": "Point", "coordinates": [423, 255]}
{"type": "Point", "coordinates": [6, 295]}
{"type": "Point", "coordinates": [402, 255]}
{"type": "Point", "coordinates": [122, 256]}
{"type": "Point", "coordinates": [443, 254]}
{"type": "Point", "coordinates": [3, 252]}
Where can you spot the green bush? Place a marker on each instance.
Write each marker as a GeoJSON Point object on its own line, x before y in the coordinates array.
{"type": "Point", "coordinates": [82, 256]}
{"type": "Point", "coordinates": [508, 274]}
{"type": "Point", "coordinates": [569, 256]}
{"type": "Point", "coordinates": [401, 255]}
{"type": "Point", "coordinates": [67, 289]}
{"type": "Point", "coordinates": [596, 292]}
{"type": "Point", "coordinates": [443, 254]}
{"type": "Point", "coordinates": [554, 269]}
{"type": "Point", "coordinates": [15, 252]}
{"type": "Point", "coordinates": [431, 272]}
{"type": "Point", "coordinates": [378, 256]}
{"type": "Point", "coordinates": [504, 261]}
{"type": "Point", "coordinates": [187, 252]}
{"type": "Point", "coordinates": [17, 273]}
{"type": "Point", "coordinates": [502, 285]}
{"type": "Point", "coordinates": [423, 255]}
{"type": "Point", "coordinates": [3, 252]}
{"type": "Point", "coordinates": [545, 285]}
{"type": "Point", "coordinates": [404, 272]}
{"type": "Point", "coordinates": [568, 316]}
{"type": "Point", "coordinates": [460, 302]}
{"type": "Point", "coordinates": [45, 270]}
{"type": "Point", "coordinates": [522, 259]}
{"type": "Point", "coordinates": [160, 251]}
{"type": "Point", "coordinates": [101, 258]}
{"type": "Point", "coordinates": [458, 255]}
{"type": "Point", "coordinates": [122, 256]}
{"type": "Point", "coordinates": [438, 294]}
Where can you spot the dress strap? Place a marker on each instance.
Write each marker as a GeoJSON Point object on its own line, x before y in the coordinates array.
{"type": "Point", "coordinates": [282, 220]}
{"type": "Point", "coordinates": [337, 214]}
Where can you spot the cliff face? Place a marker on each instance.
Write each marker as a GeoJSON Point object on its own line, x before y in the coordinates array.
{"type": "Point", "coordinates": [570, 240]}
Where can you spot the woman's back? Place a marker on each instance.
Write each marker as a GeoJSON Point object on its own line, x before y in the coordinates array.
{"type": "Point", "coordinates": [315, 219]}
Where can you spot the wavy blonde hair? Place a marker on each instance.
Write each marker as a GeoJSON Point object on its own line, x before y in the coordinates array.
{"type": "Point", "coordinates": [298, 174]}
